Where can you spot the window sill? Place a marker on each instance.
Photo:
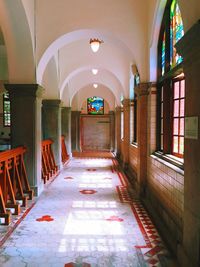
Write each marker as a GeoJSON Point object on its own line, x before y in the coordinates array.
{"type": "Point", "coordinates": [171, 161]}
{"type": "Point", "coordinates": [134, 145]}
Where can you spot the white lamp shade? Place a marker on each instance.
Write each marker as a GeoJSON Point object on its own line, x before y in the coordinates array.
{"type": "Point", "coordinates": [94, 71]}
{"type": "Point", "coordinates": [95, 85]}
{"type": "Point", "coordinates": [95, 45]}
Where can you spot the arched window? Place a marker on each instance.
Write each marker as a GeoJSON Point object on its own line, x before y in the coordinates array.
{"type": "Point", "coordinates": [171, 85]}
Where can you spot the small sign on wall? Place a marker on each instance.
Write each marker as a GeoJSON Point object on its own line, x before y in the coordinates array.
{"type": "Point", "coordinates": [191, 127]}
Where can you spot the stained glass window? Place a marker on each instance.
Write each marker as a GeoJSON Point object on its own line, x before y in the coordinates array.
{"type": "Point", "coordinates": [6, 110]}
{"type": "Point", "coordinates": [171, 87]}
{"type": "Point", "coordinates": [163, 55]}
{"type": "Point", "coordinates": [95, 105]}
{"type": "Point", "coordinates": [176, 33]}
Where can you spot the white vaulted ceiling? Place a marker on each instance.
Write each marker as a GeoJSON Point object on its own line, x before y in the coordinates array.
{"type": "Point", "coordinates": [64, 31]}
{"type": "Point", "coordinates": [47, 42]}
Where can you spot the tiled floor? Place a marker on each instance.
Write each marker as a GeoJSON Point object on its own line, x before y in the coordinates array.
{"type": "Point", "coordinates": [85, 217]}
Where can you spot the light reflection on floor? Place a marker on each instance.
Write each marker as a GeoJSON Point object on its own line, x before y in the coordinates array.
{"type": "Point", "coordinates": [93, 228]}
{"type": "Point", "coordinates": [87, 228]}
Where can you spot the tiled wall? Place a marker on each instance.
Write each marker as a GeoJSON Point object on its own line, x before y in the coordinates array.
{"type": "Point", "coordinates": [133, 161]}
{"type": "Point", "coordinates": [165, 186]}
{"type": "Point", "coordinates": [164, 191]}
{"type": "Point", "coordinates": [168, 187]}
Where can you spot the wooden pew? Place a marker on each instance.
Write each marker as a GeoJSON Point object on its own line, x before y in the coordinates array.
{"type": "Point", "coordinates": [64, 154]}
{"type": "Point", "coordinates": [49, 167]}
{"type": "Point", "coordinates": [14, 183]}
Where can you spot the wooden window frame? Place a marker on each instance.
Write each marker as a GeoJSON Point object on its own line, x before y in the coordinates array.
{"type": "Point", "coordinates": [179, 117]}
{"type": "Point", "coordinates": [165, 83]}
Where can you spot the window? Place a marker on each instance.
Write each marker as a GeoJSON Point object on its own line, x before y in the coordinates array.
{"type": "Point", "coordinates": [171, 84]}
{"type": "Point", "coordinates": [95, 105]}
{"type": "Point", "coordinates": [122, 124]}
{"type": "Point", "coordinates": [6, 110]}
{"type": "Point", "coordinates": [178, 117]}
{"type": "Point", "coordinates": [133, 120]}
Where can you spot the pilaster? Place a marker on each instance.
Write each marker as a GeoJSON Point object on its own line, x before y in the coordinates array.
{"type": "Point", "coordinates": [118, 131]}
{"type": "Point", "coordinates": [75, 130]}
{"type": "Point", "coordinates": [126, 110]}
{"type": "Point", "coordinates": [26, 127]}
{"type": "Point", "coordinates": [66, 126]}
{"type": "Point", "coordinates": [112, 130]}
{"type": "Point", "coordinates": [189, 48]}
{"type": "Point", "coordinates": [142, 106]}
{"type": "Point", "coordinates": [51, 124]}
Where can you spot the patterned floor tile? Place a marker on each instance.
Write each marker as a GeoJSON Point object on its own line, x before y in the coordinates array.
{"type": "Point", "coordinates": [93, 220]}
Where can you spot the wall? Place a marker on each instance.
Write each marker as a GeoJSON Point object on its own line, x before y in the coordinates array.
{"type": "Point", "coordinates": [133, 160]}
{"type": "Point", "coordinates": [165, 185]}
{"type": "Point", "coordinates": [163, 188]}
{"type": "Point", "coordinates": [95, 132]}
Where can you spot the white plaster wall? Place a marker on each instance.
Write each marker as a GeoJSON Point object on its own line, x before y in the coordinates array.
{"type": "Point", "coordinates": [15, 29]}
{"type": "Point", "coordinates": [50, 82]}
{"type": "Point", "coordinates": [30, 9]}
{"type": "Point", "coordinates": [88, 91]}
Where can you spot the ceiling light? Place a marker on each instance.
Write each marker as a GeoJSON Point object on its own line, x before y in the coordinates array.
{"type": "Point", "coordinates": [94, 71]}
{"type": "Point", "coordinates": [95, 85]}
{"type": "Point", "coordinates": [95, 43]}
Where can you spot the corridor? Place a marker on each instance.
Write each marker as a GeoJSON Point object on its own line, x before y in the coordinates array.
{"type": "Point", "coordinates": [86, 217]}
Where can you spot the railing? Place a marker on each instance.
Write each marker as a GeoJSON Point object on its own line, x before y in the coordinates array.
{"type": "Point", "coordinates": [64, 154]}
{"type": "Point", "coordinates": [49, 168]}
{"type": "Point", "coordinates": [14, 184]}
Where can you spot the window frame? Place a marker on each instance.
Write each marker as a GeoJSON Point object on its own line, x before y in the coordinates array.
{"type": "Point", "coordinates": [6, 113]}
{"type": "Point", "coordinates": [165, 83]}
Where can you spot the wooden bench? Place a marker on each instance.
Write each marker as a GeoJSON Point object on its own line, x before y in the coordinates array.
{"type": "Point", "coordinates": [14, 183]}
{"type": "Point", "coordinates": [49, 167]}
{"type": "Point", "coordinates": [64, 154]}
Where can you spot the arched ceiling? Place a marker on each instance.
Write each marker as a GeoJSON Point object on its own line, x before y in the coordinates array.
{"type": "Point", "coordinates": [64, 32]}
{"type": "Point", "coordinates": [47, 42]}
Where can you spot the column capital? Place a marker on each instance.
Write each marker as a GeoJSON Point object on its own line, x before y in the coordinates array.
{"type": "Point", "coordinates": [143, 88]}
{"type": "Point", "coordinates": [188, 45]}
{"type": "Point", "coordinates": [52, 103]}
{"type": "Point", "coordinates": [25, 90]}
{"type": "Point", "coordinates": [152, 88]}
{"type": "Point", "coordinates": [118, 109]}
{"type": "Point", "coordinates": [66, 108]}
{"type": "Point", "coordinates": [126, 102]}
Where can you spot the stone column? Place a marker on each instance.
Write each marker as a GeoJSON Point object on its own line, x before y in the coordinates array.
{"type": "Point", "coordinates": [66, 126]}
{"type": "Point", "coordinates": [126, 108]}
{"type": "Point", "coordinates": [51, 124]}
{"type": "Point", "coordinates": [189, 48]}
{"type": "Point", "coordinates": [118, 131]}
{"type": "Point", "coordinates": [75, 130]}
{"type": "Point", "coordinates": [142, 102]}
{"type": "Point", "coordinates": [112, 131]}
{"type": "Point", "coordinates": [26, 128]}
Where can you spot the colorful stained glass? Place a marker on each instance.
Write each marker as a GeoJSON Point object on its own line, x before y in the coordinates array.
{"type": "Point", "coordinates": [176, 33]}
{"type": "Point", "coordinates": [163, 55]}
{"type": "Point", "coordinates": [95, 105]}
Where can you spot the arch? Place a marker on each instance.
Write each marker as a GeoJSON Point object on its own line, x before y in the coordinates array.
{"type": "Point", "coordinates": [87, 91]}
{"type": "Point", "coordinates": [154, 36]}
{"type": "Point", "coordinates": [117, 86]}
{"type": "Point", "coordinates": [75, 36]}
{"type": "Point", "coordinates": [71, 91]}
{"type": "Point", "coordinates": [18, 42]}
